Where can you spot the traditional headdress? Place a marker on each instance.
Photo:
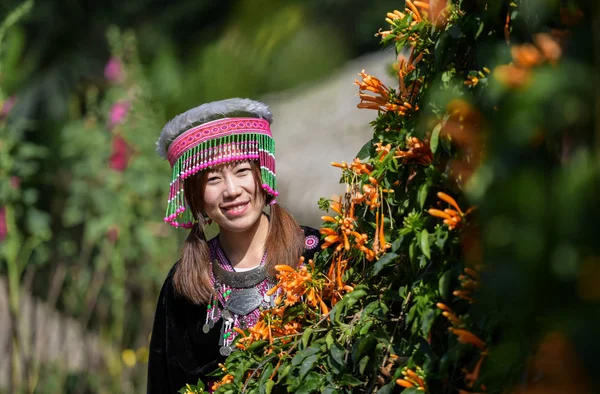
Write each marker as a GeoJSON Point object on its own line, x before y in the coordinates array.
{"type": "Point", "coordinates": [210, 135]}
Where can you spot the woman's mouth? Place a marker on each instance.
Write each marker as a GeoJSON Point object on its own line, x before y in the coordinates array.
{"type": "Point", "coordinates": [237, 209]}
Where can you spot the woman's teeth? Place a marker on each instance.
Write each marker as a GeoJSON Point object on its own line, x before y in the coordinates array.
{"type": "Point", "coordinates": [237, 208]}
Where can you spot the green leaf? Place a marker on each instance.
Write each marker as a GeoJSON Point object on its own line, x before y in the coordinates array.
{"type": "Point", "coordinates": [310, 384]}
{"type": "Point", "coordinates": [354, 296]}
{"type": "Point", "coordinates": [366, 328]}
{"type": "Point", "coordinates": [423, 192]}
{"type": "Point", "coordinates": [338, 353]}
{"type": "Point", "coordinates": [349, 380]}
{"type": "Point", "coordinates": [284, 373]}
{"type": "Point", "coordinates": [397, 243]}
{"type": "Point", "coordinates": [307, 365]}
{"type": "Point", "coordinates": [200, 385]}
{"type": "Point", "coordinates": [387, 389]}
{"type": "Point", "coordinates": [427, 319]}
{"type": "Point", "coordinates": [425, 243]}
{"type": "Point", "coordinates": [329, 340]}
{"type": "Point", "coordinates": [256, 346]}
{"type": "Point", "coordinates": [445, 285]}
{"type": "Point", "coordinates": [365, 151]}
{"type": "Point", "coordinates": [306, 337]}
{"type": "Point", "coordinates": [362, 364]}
{"type": "Point", "coordinates": [301, 355]}
{"type": "Point", "coordinates": [411, 252]}
{"type": "Point", "coordinates": [264, 377]}
{"type": "Point", "coordinates": [361, 346]}
{"type": "Point", "coordinates": [435, 137]}
{"type": "Point", "coordinates": [269, 386]}
{"type": "Point", "coordinates": [384, 261]}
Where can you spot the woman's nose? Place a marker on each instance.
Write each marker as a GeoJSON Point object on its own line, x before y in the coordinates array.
{"type": "Point", "coordinates": [232, 187]}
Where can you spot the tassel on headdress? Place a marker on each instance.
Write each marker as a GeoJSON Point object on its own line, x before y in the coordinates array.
{"type": "Point", "coordinates": [213, 134]}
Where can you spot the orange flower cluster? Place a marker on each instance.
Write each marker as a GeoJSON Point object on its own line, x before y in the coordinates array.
{"type": "Point", "coordinates": [356, 166]}
{"type": "Point", "coordinates": [370, 194]}
{"type": "Point", "coordinates": [382, 100]}
{"type": "Point", "coordinates": [345, 235]}
{"type": "Point", "coordinates": [527, 56]}
{"type": "Point", "coordinates": [293, 283]}
{"type": "Point", "coordinates": [404, 68]}
{"type": "Point", "coordinates": [411, 379]}
{"type": "Point", "coordinates": [418, 152]}
{"type": "Point", "coordinates": [372, 84]}
{"type": "Point", "coordinates": [449, 314]}
{"type": "Point", "coordinates": [469, 282]}
{"type": "Point", "coordinates": [336, 287]}
{"type": "Point", "coordinates": [472, 80]}
{"type": "Point", "coordinates": [453, 218]}
{"type": "Point", "coordinates": [224, 380]}
{"type": "Point", "coordinates": [382, 150]}
{"type": "Point", "coordinates": [467, 337]}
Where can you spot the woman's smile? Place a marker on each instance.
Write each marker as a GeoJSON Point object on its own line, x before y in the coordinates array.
{"type": "Point", "coordinates": [236, 209]}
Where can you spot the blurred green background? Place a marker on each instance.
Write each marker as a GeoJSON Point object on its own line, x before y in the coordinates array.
{"type": "Point", "coordinates": [85, 88]}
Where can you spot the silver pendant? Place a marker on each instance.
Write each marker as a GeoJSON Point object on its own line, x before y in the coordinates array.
{"type": "Point", "coordinates": [243, 301]}
{"type": "Point", "coordinates": [206, 328]}
{"type": "Point", "coordinates": [226, 314]}
{"type": "Point", "coordinates": [211, 323]}
{"type": "Point", "coordinates": [225, 351]}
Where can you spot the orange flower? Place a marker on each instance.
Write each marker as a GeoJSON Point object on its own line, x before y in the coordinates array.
{"type": "Point", "coordinates": [526, 55]}
{"type": "Point", "coordinates": [405, 67]}
{"type": "Point", "coordinates": [418, 152]}
{"type": "Point", "coordinates": [512, 76]}
{"type": "Point", "coordinates": [372, 84]}
{"type": "Point", "coordinates": [224, 380]}
{"type": "Point", "coordinates": [360, 168]}
{"type": "Point", "coordinates": [448, 314]}
{"type": "Point", "coordinates": [471, 81]}
{"type": "Point", "coordinates": [548, 46]}
{"type": "Point", "coordinates": [412, 379]}
{"type": "Point", "coordinates": [382, 150]}
{"type": "Point", "coordinates": [467, 337]}
{"type": "Point", "coordinates": [452, 218]}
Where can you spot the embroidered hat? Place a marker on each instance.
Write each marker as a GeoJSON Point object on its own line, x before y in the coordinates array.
{"type": "Point", "coordinates": [213, 134]}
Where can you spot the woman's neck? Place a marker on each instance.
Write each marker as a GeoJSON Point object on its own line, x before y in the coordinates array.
{"type": "Point", "coordinates": [246, 249]}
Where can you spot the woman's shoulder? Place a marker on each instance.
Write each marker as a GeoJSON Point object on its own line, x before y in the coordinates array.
{"type": "Point", "coordinates": [168, 287]}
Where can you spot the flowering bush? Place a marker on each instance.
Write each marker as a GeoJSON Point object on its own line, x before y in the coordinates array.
{"type": "Point", "coordinates": [442, 257]}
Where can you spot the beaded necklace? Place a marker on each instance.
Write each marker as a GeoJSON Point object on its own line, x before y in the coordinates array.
{"type": "Point", "coordinates": [238, 303]}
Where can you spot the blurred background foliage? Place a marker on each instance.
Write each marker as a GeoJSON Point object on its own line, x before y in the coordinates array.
{"type": "Point", "coordinates": [85, 88]}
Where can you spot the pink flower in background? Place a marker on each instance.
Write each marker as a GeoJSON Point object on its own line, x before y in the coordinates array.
{"type": "Point", "coordinates": [8, 104]}
{"type": "Point", "coordinates": [3, 227]}
{"type": "Point", "coordinates": [112, 234]}
{"type": "Point", "coordinates": [121, 152]}
{"type": "Point", "coordinates": [118, 113]}
{"type": "Point", "coordinates": [113, 71]}
{"type": "Point", "coordinates": [15, 182]}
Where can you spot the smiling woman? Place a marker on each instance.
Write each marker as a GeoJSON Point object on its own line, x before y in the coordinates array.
{"type": "Point", "coordinates": [222, 155]}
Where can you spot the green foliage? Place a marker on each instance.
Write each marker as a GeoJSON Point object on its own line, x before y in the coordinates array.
{"type": "Point", "coordinates": [437, 297]}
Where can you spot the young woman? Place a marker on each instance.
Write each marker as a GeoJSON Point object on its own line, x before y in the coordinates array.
{"type": "Point", "coordinates": [222, 155]}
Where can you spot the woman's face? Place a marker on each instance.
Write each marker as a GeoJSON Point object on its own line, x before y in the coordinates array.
{"type": "Point", "coordinates": [232, 198]}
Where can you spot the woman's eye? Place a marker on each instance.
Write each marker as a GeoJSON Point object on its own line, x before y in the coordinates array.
{"type": "Point", "coordinates": [243, 171]}
{"type": "Point", "coordinates": [212, 179]}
